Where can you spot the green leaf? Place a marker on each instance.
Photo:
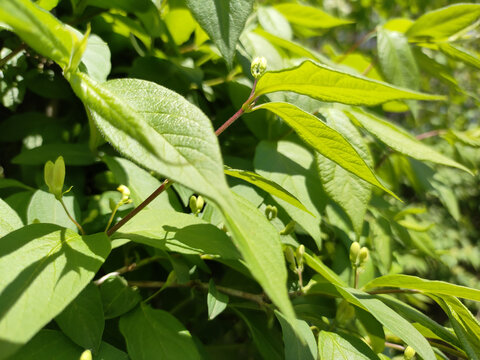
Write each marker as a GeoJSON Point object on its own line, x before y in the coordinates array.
{"type": "Point", "coordinates": [390, 320]}
{"type": "Point", "coordinates": [96, 58]}
{"type": "Point", "coordinates": [82, 320]}
{"type": "Point", "coordinates": [187, 147]}
{"type": "Point", "coordinates": [302, 346]}
{"type": "Point", "coordinates": [429, 286]}
{"type": "Point", "coordinates": [266, 339]}
{"type": "Point", "coordinates": [343, 347]}
{"type": "Point", "coordinates": [52, 344]}
{"type": "Point", "coordinates": [327, 141]}
{"type": "Point", "coordinates": [117, 297]}
{"type": "Point", "coordinates": [267, 185]}
{"type": "Point", "coordinates": [465, 325]}
{"type": "Point", "coordinates": [48, 4]}
{"type": "Point", "coordinates": [44, 208]}
{"type": "Point", "coordinates": [316, 264]}
{"type": "Point", "coordinates": [74, 154]}
{"type": "Point", "coordinates": [396, 59]}
{"type": "Point", "coordinates": [174, 231]}
{"type": "Point", "coordinates": [39, 29]}
{"type": "Point", "coordinates": [156, 334]}
{"type": "Point", "coordinates": [373, 328]}
{"type": "Point", "coordinates": [401, 141]}
{"type": "Point", "coordinates": [141, 184]}
{"type": "Point", "coordinates": [326, 84]}
{"type": "Point", "coordinates": [125, 5]}
{"type": "Point", "coordinates": [216, 301]}
{"type": "Point", "coordinates": [442, 23]}
{"type": "Point", "coordinates": [223, 21]}
{"type": "Point", "coordinates": [274, 22]}
{"type": "Point", "coordinates": [350, 192]}
{"type": "Point", "coordinates": [291, 166]}
{"type": "Point", "coordinates": [9, 220]}
{"type": "Point", "coordinates": [309, 16]}
{"type": "Point", "coordinates": [44, 267]}
{"type": "Point", "coordinates": [461, 54]}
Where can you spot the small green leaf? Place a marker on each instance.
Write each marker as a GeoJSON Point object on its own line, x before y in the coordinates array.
{"type": "Point", "coordinates": [223, 21]}
{"type": "Point", "coordinates": [325, 140]}
{"type": "Point", "coordinates": [302, 346]}
{"type": "Point", "coordinates": [309, 16]}
{"type": "Point", "coordinates": [442, 23]}
{"type": "Point", "coordinates": [401, 141]}
{"type": "Point", "coordinates": [461, 54]}
{"type": "Point", "coordinates": [45, 267]}
{"type": "Point", "coordinates": [267, 185]}
{"type": "Point", "coordinates": [216, 301]}
{"type": "Point", "coordinates": [326, 84]}
{"type": "Point", "coordinates": [343, 347]}
{"type": "Point", "coordinates": [48, 4]}
{"type": "Point", "coordinates": [82, 320]}
{"type": "Point", "coordinates": [117, 297]}
{"type": "Point", "coordinates": [429, 286]}
{"type": "Point", "coordinates": [153, 334]}
{"type": "Point", "coordinates": [179, 232]}
{"type": "Point", "coordinates": [9, 220]}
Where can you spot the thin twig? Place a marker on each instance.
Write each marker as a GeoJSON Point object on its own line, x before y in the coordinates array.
{"type": "Point", "coordinates": [355, 46]}
{"type": "Point", "coordinates": [12, 54]}
{"type": "Point", "coordinates": [430, 134]}
{"type": "Point", "coordinates": [166, 183]}
{"type": "Point", "coordinates": [79, 227]}
{"type": "Point", "coordinates": [126, 268]}
{"type": "Point", "coordinates": [257, 298]}
{"type": "Point", "coordinates": [394, 346]}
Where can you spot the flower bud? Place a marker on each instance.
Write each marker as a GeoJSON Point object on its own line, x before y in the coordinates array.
{"type": "Point", "coordinates": [409, 353]}
{"type": "Point", "coordinates": [299, 255]}
{"type": "Point", "coordinates": [363, 255]}
{"type": "Point", "coordinates": [288, 229]}
{"type": "Point", "coordinates": [271, 212]}
{"type": "Point", "coordinates": [200, 203]}
{"type": "Point", "coordinates": [86, 355]}
{"type": "Point", "coordinates": [55, 176]}
{"type": "Point", "coordinates": [125, 191]}
{"type": "Point", "coordinates": [290, 255]}
{"type": "Point", "coordinates": [354, 250]}
{"type": "Point", "coordinates": [258, 67]}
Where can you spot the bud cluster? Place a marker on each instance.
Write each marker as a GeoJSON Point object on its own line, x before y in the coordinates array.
{"type": "Point", "coordinates": [358, 255]}
{"type": "Point", "coordinates": [196, 204]}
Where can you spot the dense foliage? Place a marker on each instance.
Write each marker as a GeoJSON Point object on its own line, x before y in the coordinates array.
{"type": "Point", "coordinates": [333, 214]}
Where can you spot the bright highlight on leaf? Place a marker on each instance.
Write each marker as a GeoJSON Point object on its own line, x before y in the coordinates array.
{"type": "Point", "coordinates": [326, 84]}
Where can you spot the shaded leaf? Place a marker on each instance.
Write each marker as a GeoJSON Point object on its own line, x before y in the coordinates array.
{"type": "Point", "coordinates": [343, 347]}
{"type": "Point", "coordinates": [9, 220]}
{"type": "Point", "coordinates": [216, 301]}
{"type": "Point", "coordinates": [117, 297]}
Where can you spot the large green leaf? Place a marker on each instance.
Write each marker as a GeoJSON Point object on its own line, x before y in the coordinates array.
{"type": "Point", "coordinates": [43, 268]}
{"type": "Point", "coordinates": [300, 346]}
{"type": "Point", "coordinates": [82, 320]}
{"type": "Point", "coordinates": [396, 59]}
{"type": "Point", "coordinates": [39, 29]}
{"type": "Point", "coordinates": [53, 345]}
{"type": "Point", "coordinates": [401, 141]}
{"type": "Point", "coordinates": [429, 286]}
{"type": "Point", "coordinates": [117, 297]}
{"type": "Point", "coordinates": [9, 220]}
{"type": "Point", "coordinates": [188, 150]}
{"type": "Point", "coordinates": [442, 23]}
{"type": "Point", "coordinates": [267, 185]}
{"type": "Point", "coordinates": [390, 320]}
{"type": "Point", "coordinates": [156, 334]}
{"type": "Point", "coordinates": [327, 84]}
{"type": "Point", "coordinates": [343, 347]}
{"type": "Point", "coordinates": [174, 231]}
{"type": "Point", "coordinates": [324, 139]}
{"type": "Point", "coordinates": [291, 166]}
{"type": "Point", "coordinates": [309, 16]}
{"type": "Point", "coordinates": [223, 21]}
{"type": "Point", "coordinates": [348, 190]}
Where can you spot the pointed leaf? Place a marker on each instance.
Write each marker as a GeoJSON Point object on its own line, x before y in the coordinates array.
{"type": "Point", "coordinates": [43, 267]}
{"type": "Point", "coordinates": [327, 84]}
{"type": "Point", "coordinates": [117, 297]}
{"type": "Point", "coordinates": [401, 141]}
{"type": "Point", "coordinates": [325, 140]}
{"type": "Point", "coordinates": [267, 185]}
{"type": "Point", "coordinates": [9, 220]}
{"type": "Point", "coordinates": [216, 301]}
{"type": "Point", "coordinates": [338, 347]}
{"type": "Point", "coordinates": [442, 23]}
{"type": "Point", "coordinates": [82, 320]}
{"type": "Point", "coordinates": [156, 334]}
{"type": "Point", "coordinates": [298, 347]}
{"type": "Point", "coordinates": [458, 53]}
{"type": "Point", "coordinates": [430, 286]}
{"type": "Point", "coordinates": [309, 16]}
{"type": "Point", "coordinates": [223, 21]}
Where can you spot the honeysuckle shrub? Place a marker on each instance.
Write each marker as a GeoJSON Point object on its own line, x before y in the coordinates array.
{"type": "Point", "coordinates": [208, 179]}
